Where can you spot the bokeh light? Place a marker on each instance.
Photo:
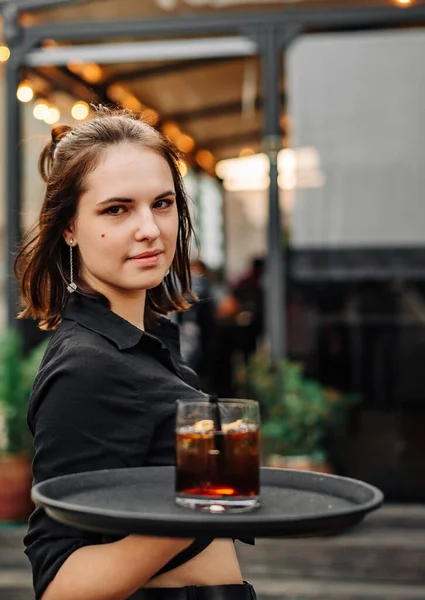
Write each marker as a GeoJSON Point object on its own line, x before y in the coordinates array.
{"type": "Point", "coordinates": [25, 93]}
{"type": "Point", "coordinates": [205, 159]}
{"type": "Point", "coordinates": [40, 110]}
{"type": "Point", "coordinates": [80, 110]}
{"type": "Point", "coordinates": [53, 115]}
{"type": "Point", "coordinates": [4, 53]}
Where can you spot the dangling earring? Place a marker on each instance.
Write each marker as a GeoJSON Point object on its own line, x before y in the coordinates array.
{"type": "Point", "coordinates": [71, 286]}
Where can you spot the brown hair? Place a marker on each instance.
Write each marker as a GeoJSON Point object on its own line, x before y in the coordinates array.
{"type": "Point", "coordinates": [42, 264]}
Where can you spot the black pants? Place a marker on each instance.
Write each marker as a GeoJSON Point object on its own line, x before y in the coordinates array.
{"type": "Point", "coordinates": [243, 591]}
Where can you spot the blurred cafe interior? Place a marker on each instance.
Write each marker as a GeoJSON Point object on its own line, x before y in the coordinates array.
{"type": "Point", "coordinates": [301, 124]}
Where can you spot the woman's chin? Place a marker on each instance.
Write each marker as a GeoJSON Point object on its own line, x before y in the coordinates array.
{"type": "Point", "coordinates": [151, 282]}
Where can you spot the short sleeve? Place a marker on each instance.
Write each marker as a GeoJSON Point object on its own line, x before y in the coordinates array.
{"type": "Point", "coordinates": [86, 414]}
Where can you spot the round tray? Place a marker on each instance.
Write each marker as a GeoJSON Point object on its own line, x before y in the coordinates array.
{"type": "Point", "coordinates": [141, 501]}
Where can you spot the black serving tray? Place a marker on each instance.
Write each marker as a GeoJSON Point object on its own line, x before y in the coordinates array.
{"type": "Point", "coordinates": [141, 501]}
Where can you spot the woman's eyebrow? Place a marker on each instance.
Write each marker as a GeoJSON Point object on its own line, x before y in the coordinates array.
{"type": "Point", "coordinates": [116, 199]}
{"type": "Point", "coordinates": [165, 194]}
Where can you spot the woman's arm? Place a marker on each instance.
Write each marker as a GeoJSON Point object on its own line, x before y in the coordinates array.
{"type": "Point", "coordinates": [112, 571]}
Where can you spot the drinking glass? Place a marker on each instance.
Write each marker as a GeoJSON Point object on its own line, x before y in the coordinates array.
{"type": "Point", "coordinates": [218, 455]}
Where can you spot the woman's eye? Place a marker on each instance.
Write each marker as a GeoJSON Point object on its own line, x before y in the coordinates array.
{"type": "Point", "coordinates": [163, 203]}
{"type": "Point", "coordinates": [115, 210]}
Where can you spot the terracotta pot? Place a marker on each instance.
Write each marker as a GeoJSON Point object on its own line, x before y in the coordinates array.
{"type": "Point", "coordinates": [300, 463]}
{"type": "Point", "coordinates": [15, 487]}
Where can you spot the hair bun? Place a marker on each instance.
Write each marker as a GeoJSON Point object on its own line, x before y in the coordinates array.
{"type": "Point", "coordinates": [46, 159]}
{"type": "Point", "coordinates": [58, 132]}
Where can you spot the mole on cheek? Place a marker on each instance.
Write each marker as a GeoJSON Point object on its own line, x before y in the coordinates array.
{"type": "Point", "coordinates": [103, 235]}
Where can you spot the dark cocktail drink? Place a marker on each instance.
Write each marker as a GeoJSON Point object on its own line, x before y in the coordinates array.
{"type": "Point", "coordinates": [218, 465]}
{"type": "Point", "coordinates": [218, 455]}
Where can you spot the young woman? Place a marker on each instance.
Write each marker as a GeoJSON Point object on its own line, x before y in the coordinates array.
{"type": "Point", "coordinates": [109, 258]}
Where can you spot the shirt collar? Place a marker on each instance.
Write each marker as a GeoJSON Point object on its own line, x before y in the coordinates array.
{"type": "Point", "coordinates": [97, 317]}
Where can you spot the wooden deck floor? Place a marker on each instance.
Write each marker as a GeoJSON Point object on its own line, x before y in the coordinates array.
{"type": "Point", "coordinates": [382, 559]}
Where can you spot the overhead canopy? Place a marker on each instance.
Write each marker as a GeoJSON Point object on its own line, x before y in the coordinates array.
{"type": "Point", "coordinates": [214, 96]}
{"type": "Point", "coordinates": [204, 97]}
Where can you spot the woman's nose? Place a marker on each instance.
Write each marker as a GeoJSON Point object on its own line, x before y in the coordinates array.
{"type": "Point", "coordinates": [147, 227]}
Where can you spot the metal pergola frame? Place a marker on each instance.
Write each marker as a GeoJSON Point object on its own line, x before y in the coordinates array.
{"type": "Point", "coordinates": [267, 34]}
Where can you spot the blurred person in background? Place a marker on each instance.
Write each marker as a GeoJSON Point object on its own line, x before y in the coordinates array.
{"type": "Point", "coordinates": [240, 325]}
{"type": "Point", "coordinates": [249, 292]}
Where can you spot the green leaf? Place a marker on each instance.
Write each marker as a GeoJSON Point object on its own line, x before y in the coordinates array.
{"type": "Point", "coordinates": [298, 412]}
{"type": "Point", "coordinates": [17, 374]}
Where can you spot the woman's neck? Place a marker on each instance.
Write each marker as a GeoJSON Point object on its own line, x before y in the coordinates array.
{"type": "Point", "coordinates": [128, 304]}
{"type": "Point", "coordinates": [130, 308]}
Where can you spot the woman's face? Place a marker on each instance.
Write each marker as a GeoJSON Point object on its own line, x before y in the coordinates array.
{"type": "Point", "coordinates": [127, 222]}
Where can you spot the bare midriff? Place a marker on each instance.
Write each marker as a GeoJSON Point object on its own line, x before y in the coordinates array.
{"type": "Point", "coordinates": [216, 565]}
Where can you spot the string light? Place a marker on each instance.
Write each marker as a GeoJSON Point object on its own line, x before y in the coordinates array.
{"type": "Point", "coordinates": [4, 53]}
{"type": "Point", "coordinates": [40, 110]}
{"type": "Point", "coordinates": [25, 93]}
{"type": "Point", "coordinates": [122, 96]}
{"type": "Point", "coordinates": [182, 168]}
{"type": "Point", "coordinates": [151, 116]}
{"type": "Point", "coordinates": [75, 67]}
{"type": "Point", "coordinates": [53, 115]}
{"type": "Point", "coordinates": [185, 143]}
{"type": "Point", "coordinates": [404, 2]}
{"type": "Point", "coordinates": [117, 93]}
{"type": "Point", "coordinates": [92, 73]}
{"type": "Point", "coordinates": [205, 159]}
{"type": "Point", "coordinates": [171, 130]}
{"type": "Point", "coordinates": [80, 111]}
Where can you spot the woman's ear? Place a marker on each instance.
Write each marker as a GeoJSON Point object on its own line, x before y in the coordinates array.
{"type": "Point", "coordinates": [68, 235]}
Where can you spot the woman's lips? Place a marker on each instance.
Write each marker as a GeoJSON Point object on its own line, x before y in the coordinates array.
{"type": "Point", "coordinates": [147, 258]}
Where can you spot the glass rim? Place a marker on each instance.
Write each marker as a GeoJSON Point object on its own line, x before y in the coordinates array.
{"type": "Point", "coordinates": [246, 401]}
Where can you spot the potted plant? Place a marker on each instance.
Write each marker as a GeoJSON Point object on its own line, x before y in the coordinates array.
{"type": "Point", "coordinates": [17, 373]}
{"type": "Point", "coordinates": [298, 413]}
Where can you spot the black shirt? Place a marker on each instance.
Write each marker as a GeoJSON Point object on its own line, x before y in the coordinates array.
{"type": "Point", "coordinates": [104, 398]}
